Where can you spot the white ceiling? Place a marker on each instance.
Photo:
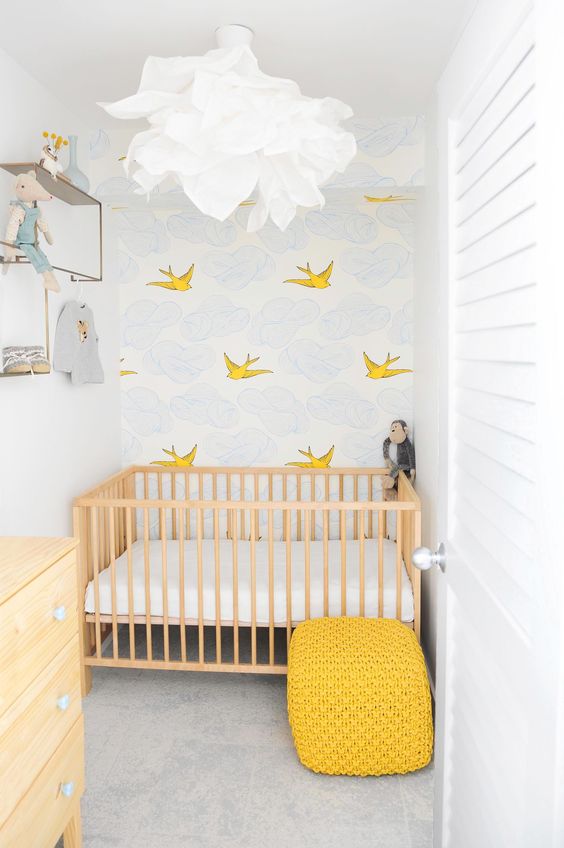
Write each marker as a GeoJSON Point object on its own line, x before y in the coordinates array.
{"type": "Point", "coordinates": [382, 57]}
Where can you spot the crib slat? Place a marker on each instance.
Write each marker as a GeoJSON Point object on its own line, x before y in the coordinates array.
{"type": "Point", "coordinates": [284, 498]}
{"type": "Point", "coordinates": [96, 566]}
{"type": "Point", "coordinates": [371, 513]}
{"type": "Point", "coordinates": [164, 571]}
{"type": "Point", "coordinates": [399, 519]}
{"type": "Point", "coordinates": [326, 561]}
{"type": "Point", "coordinates": [288, 536]}
{"type": "Point", "coordinates": [381, 516]}
{"type": "Point", "coordinates": [235, 543]}
{"type": "Point", "coordinates": [105, 536]}
{"type": "Point", "coordinates": [147, 564]}
{"type": "Point", "coordinates": [361, 561]}
{"type": "Point", "coordinates": [173, 497]}
{"type": "Point", "coordinates": [130, 600]}
{"type": "Point", "coordinates": [270, 584]}
{"type": "Point", "coordinates": [199, 535]}
{"type": "Point", "coordinates": [181, 586]}
{"type": "Point", "coordinates": [217, 579]}
{"type": "Point", "coordinates": [242, 498]}
{"type": "Point", "coordinates": [298, 511]}
{"type": "Point", "coordinates": [356, 512]}
{"type": "Point", "coordinates": [253, 587]}
{"type": "Point", "coordinates": [112, 530]}
{"type": "Point", "coordinates": [121, 520]}
{"type": "Point", "coordinates": [343, 535]}
{"type": "Point", "coordinates": [313, 498]}
{"type": "Point", "coordinates": [307, 532]}
{"type": "Point", "coordinates": [229, 511]}
{"type": "Point", "coordinates": [187, 497]}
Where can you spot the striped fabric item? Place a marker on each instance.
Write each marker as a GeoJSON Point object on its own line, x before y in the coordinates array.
{"type": "Point", "coordinates": [22, 359]}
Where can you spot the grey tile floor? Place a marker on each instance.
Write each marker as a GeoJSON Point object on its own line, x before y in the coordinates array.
{"type": "Point", "coordinates": [206, 760]}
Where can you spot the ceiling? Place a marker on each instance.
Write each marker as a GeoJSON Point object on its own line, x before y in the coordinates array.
{"type": "Point", "coordinates": [381, 57]}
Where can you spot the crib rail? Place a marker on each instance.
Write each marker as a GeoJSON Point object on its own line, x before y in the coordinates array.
{"type": "Point", "coordinates": [200, 565]}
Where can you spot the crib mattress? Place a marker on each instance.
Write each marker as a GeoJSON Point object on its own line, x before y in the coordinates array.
{"type": "Point", "coordinates": [262, 581]}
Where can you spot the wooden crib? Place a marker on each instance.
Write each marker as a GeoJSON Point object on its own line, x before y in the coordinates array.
{"type": "Point", "coordinates": [209, 569]}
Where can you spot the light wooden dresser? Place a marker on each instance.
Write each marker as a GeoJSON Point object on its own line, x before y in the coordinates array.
{"type": "Point", "coordinates": [41, 728]}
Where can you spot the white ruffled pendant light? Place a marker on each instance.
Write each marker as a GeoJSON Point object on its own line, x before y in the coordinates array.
{"type": "Point", "coordinates": [226, 130]}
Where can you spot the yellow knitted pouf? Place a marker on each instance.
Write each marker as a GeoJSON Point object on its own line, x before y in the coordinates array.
{"type": "Point", "coordinates": [358, 697]}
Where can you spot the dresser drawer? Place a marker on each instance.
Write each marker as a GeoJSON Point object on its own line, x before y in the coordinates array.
{"type": "Point", "coordinates": [42, 814]}
{"type": "Point", "coordinates": [34, 726]}
{"type": "Point", "coordinates": [35, 624]}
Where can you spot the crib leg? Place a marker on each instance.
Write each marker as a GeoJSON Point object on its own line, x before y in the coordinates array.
{"type": "Point", "coordinates": [85, 679]}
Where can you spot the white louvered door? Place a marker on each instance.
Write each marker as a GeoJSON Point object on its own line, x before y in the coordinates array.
{"type": "Point", "coordinates": [494, 593]}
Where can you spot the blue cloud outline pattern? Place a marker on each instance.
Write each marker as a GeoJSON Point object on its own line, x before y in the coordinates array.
{"type": "Point", "coordinates": [342, 222]}
{"type": "Point", "coordinates": [248, 447]}
{"type": "Point", "coordinates": [236, 270]}
{"type": "Point", "coordinates": [355, 315]}
{"type": "Point", "coordinates": [376, 268]}
{"type": "Point", "coordinates": [317, 363]}
{"type": "Point", "coordinates": [142, 232]}
{"type": "Point", "coordinates": [143, 321]}
{"type": "Point", "coordinates": [203, 405]}
{"type": "Point", "coordinates": [401, 331]}
{"type": "Point", "coordinates": [379, 137]}
{"type": "Point", "coordinates": [215, 317]}
{"type": "Point", "coordinates": [278, 409]}
{"type": "Point", "coordinates": [280, 319]}
{"type": "Point", "coordinates": [145, 412]}
{"type": "Point", "coordinates": [400, 217]}
{"type": "Point", "coordinates": [201, 229]}
{"type": "Point", "coordinates": [178, 363]}
{"type": "Point", "coordinates": [340, 404]}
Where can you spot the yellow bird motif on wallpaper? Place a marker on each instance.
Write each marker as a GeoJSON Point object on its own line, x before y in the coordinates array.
{"type": "Point", "coordinates": [177, 460]}
{"type": "Point", "coordinates": [175, 283]}
{"type": "Point", "coordinates": [391, 198]}
{"type": "Point", "coordinates": [314, 461]}
{"type": "Point", "coordinates": [125, 373]}
{"type": "Point", "coordinates": [241, 372]}
{"type": "Point", "coordinates": [379, 372]}
{"type": "Point", "coordinates": [314, 281]}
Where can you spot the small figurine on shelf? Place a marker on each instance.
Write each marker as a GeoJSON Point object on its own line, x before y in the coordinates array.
{"type": "Point", "coordinates": [25, 221]}
{"type": "Point", "coordinates": [404, 459]}
{"type": "Point", "coordinates": [50, 158]}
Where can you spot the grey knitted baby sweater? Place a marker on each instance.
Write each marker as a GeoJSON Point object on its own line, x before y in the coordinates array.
{"type": "Point", "coordinates": [76, 344]}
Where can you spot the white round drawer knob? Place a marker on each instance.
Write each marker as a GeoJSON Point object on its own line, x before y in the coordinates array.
{"type": "Point", "coordinates": [67, 789]}
{"type": "Point", "coordinates": [63, 702]}
{"type": "Point", "coordinates": [59, 613]}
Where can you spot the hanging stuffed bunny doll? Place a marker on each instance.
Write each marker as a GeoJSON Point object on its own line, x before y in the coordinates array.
{"type": "Point", "coordinates": [23, 226]}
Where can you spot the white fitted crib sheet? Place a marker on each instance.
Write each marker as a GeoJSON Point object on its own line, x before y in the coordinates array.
{"type": "Point", "coordinates": [262, 581]}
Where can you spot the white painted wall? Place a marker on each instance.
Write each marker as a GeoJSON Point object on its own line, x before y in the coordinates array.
{"type": "Point", "coordinates": [55, 439]}
{"type": "Point", "coordinates": [426, 384]}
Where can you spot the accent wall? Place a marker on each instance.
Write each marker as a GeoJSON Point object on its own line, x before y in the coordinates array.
{"type": "Point", "coordinates": [246, 348]}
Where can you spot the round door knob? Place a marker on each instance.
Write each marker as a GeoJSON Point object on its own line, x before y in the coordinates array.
{"type": "Point", "coordinates": [67, 789]}
{"type": "Point", "coordinates": [424, 558]}
{"type": "Point", "coordinates": [59, 613]}
{"type": "Point", "coordinates": [63, 702]}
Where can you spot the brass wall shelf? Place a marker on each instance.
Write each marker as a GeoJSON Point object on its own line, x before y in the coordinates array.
{"type": "Point", "coordinates": [68, 193]}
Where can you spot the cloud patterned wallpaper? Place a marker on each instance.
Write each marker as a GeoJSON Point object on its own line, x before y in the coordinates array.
{"type": "Point", "coordinates": [228, 354]}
